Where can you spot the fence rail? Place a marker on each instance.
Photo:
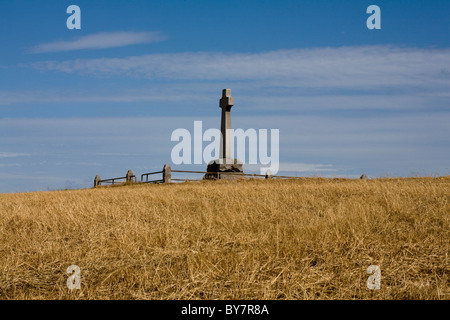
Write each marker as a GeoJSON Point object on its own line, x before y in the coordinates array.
{"type": "Point", "coordinates": [148, 174]}
{"type": "Point", "coordinates": [129, 177]}
{"type": "Point", "coordinates": [113, 180]}
{"type": "Point", "coordinates": [167, 176]}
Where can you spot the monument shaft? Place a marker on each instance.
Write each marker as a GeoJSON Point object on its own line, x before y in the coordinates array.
{"type": "Point", "coordinates": [226, 102]}
{"type": "Point", "coordinates": [225, 150]}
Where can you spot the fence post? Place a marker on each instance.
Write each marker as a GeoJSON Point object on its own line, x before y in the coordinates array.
{"type": "Point", "coordinates": [130, 176]}
{"type": "Point", "coordinates": [97, 181]}
{"type": "Point", "coordinates": [268, 174]}
{"type": "Point", "coordinates": [167, 173]}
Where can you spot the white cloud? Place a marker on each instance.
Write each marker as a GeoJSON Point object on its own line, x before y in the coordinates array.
{"type": "Point", "coordinates": [292, 168]}
{"type": "Point", "coordinates": [338, 67]}
{"type": "Point", "coordinates": [175, 96]}
{"type": "Point", "coordinates": [160, 93]}
{"type": "Point", "coordinates": [12, 154]}
{"type": "Point", "coordinates": [99, 41]}
{"type": "Point", "coordinates": [306, 167]}
{"type": "Point", "coordinates": [341, 78]}
{"type": "Point", "coordinates": [10, 165]}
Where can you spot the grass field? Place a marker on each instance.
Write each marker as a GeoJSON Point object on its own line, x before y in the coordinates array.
{"type": "Point", "coordinates": [311, 238]}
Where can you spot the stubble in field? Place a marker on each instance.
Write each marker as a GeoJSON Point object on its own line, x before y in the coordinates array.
{"type": "Point", "coordinates": [309, 238]}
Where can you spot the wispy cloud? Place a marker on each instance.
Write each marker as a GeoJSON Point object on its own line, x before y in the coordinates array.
{"type": "Point", "coordinates": [341, 67]}
{"type": "Point", "coordinates": [101, 40]}
{"type": "Point", "coordinates": [336, 78]}
{"type": "Point", "coordinates": [293, 168]}
{"type": "Point", "coordinates": [306, 167]}
{"type": "Point", "coordinates": [10, 165]}
{"type": "Point", "coordinates": [249, 98]}
{"type": "Point", "coordinates": [13, 154]}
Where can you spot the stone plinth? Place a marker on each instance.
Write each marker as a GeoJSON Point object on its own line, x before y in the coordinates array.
{"type": "Point", "coordinates": [224, 165]}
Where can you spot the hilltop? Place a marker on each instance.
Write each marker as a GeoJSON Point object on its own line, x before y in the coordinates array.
{"type": "Point", "coordinates": [310, 238]}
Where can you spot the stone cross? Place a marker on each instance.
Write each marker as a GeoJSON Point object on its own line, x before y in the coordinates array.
{"type": "Point", "coordinates": [226, 102]}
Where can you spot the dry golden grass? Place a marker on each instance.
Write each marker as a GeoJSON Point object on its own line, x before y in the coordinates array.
{"type": "Point", "coordinates": [250, 239]}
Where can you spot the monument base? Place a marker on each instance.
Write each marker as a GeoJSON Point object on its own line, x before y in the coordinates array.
{"type": "Point", "coordinates": [224, 165]}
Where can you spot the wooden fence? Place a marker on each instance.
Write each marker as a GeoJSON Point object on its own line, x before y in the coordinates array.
{"type": "Point", "coordinates": [130, 177]}
{"type": "Point", "coordinates": [166, 176]}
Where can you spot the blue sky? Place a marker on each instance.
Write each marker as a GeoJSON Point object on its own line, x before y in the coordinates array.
{"type": "Point", "coordinates": [104, 99]}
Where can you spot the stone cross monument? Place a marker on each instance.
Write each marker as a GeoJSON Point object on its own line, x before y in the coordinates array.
{"type": "Point", "coordinates": [225, 163]}
{"type": "Point", "coordinates": [226, 102]}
